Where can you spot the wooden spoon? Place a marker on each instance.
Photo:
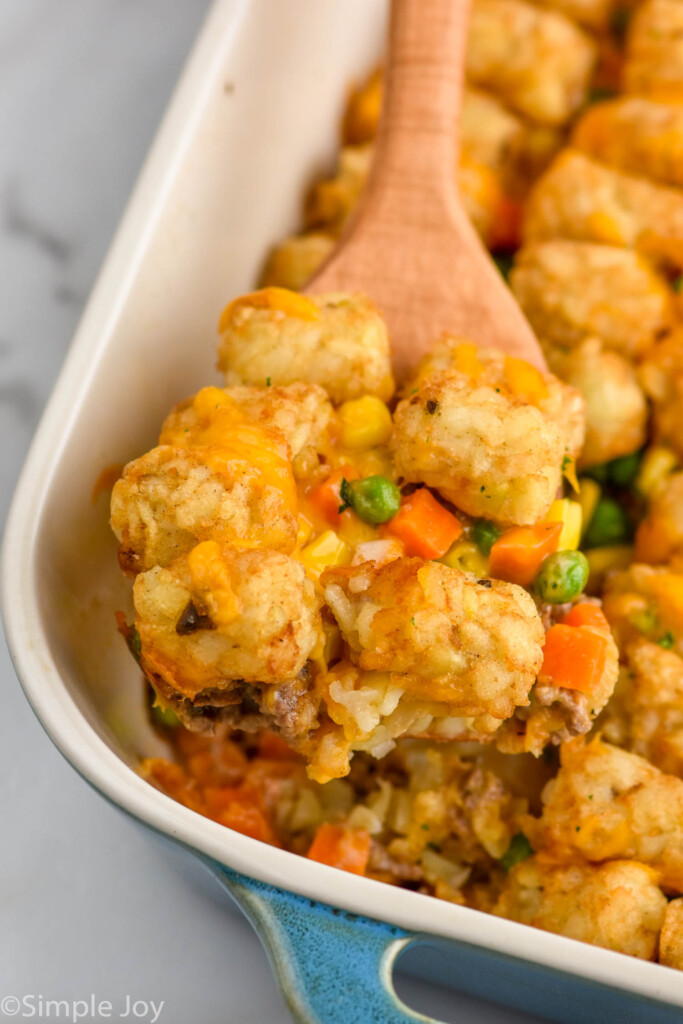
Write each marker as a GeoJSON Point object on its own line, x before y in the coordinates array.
{"type": "Point", "coordinates": [410, 245]}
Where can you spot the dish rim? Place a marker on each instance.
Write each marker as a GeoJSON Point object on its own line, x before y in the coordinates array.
{"type": "Point", "coordinates": [66, 724]}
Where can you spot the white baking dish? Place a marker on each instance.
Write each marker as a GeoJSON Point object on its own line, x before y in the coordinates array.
{"type": "Point", "coordinates": [254, 119]}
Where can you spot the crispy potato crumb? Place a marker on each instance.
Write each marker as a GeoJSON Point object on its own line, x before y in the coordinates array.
{"type": "Point", "coordinates": [671, 937]}
{"type": "Point", "coordinates": [615, 405]}
{"type": "Point", "coordinates": [341, 344]}
{"type": "Point", "coordinates": [170, 498]}
{"type": "Point", "coordinates": [302, 413]}
{"type": "Point", "coordinates": [567, 291]}
{"type": "Point", "coordinates": [616, 905]}
{"type": "Point", "coordinates": [220, 615]}
{"type": "Point", "coordinates": [441, 634]}
{"type": "Point", "coordinates": [607, 804]}
{"type": "Point", "coordinates": [464, 429]}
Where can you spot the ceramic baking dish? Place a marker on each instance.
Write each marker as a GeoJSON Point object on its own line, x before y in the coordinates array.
{"type": "Point", "coordinates": [253, 121]}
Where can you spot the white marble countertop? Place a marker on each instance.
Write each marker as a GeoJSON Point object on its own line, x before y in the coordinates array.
{"type": "Point", "coordinates": [89, 904]}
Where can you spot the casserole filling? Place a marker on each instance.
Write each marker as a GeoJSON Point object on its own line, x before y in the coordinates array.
{"type": "Point", "coordinates": [435, 635]}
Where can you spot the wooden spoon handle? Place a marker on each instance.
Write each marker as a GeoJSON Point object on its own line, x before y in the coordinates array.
{"type": "Point", "coordinates": [417, 141]}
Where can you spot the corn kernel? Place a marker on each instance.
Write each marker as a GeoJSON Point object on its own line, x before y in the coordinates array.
{"type": "Point", "coordinates": [570, 514]}
{"type": "Point", "coordinates": [589, 496]}
{"type": "Point", "coordinates": [305, 531]}
{"type": "Point", "coordinates": [604, 560]}
{"type": "Point", "coordinates": [466, 556]}
{"type": "Point", "coordinates": [657, 463]}
{"type": "Point", "coordinates": [353, 530]}
{"type": "Point", "coordinates": [365, 422]}
{"type": "Point", "coordinates": [325, 551]}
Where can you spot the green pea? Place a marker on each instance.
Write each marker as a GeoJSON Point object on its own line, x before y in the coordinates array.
{"type": "Point", "coordinates": [519, 849]}
{"type": "Point", "coordinates": [623, 471]}
{"type": "Point", "coordinates": [599, 94]}
{"type": "Point", "coordinates": [132, 638]}
{"type": "Point", "coordinates": [165, 716]}
{"type": "Point", "coordinates": [562, 577]}
{"type": "Point", "coordinates": [597, 473]}
{"type": "Point", "coordinates": [374, 499]}
{"type": "Point", "coordinates": [609, 525]}
{"type": "Point", "coordinates": [505, 261]}
{"type": "Point", "coordinates": [667, 641]}
{"type": "Point", "coordinates": [484, 534]}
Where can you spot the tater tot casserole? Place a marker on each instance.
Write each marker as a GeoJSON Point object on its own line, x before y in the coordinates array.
{"type": "Point", "coordinates": [430, 630]}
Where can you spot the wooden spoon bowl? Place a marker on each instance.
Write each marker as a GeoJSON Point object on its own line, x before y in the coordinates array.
{"type": "Point", "coordinates": [410, 245]}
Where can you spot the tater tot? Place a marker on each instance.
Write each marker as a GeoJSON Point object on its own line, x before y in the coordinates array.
{"type": "Point", "coordinates": [645, 601]}
{"type": "Point", "coordinates": [491, 447]}
{"type": "Point", "coordinates": [170, 498]}
{"type": "Point", "coordinates": [671, 937]}
{"type": "Point", "coordinates": [593, 14]}
{"type": "Point", "coordinates": [617, 905]}
{"type": "Point", "coordinates": [646, 714]}
{"type": "Point", "coordinates": [654, 51]}
{"type": "Point", "coordinates": [661, 374]}
{"type": "Point", "coordinates": [615, 406]}
{"type": "Point", "coordinates": [608, 804]}
{"type": "Point", "coordinates": [331, 200]}
{"type": "Point", "coordinates": [635, 134]}
{"type": "Point", "coordinates": [302, 413]}
{"type": "Point", "coordinates": [443, 635]}
{"type": "Point", "coordinates": [536, 60]}
{"type": "Point", "coordinates": [337, 341]}
{"type": "Point", "coordinates": [659, 538]}
{"type": "Point", "coordinates": [292, 263]}
{"type": "Point", "coordinates": [580, 198]}
{"type": "Point", "coordinates": [363, 110]}
{"type": "Point", "coordinates": [567, 292]}
{"type": "Point", "coordinates": [220, 616]}
{"type": "Point", "coordinates": [489, 131]}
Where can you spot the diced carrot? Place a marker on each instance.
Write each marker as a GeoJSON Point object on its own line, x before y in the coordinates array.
{"type": "Point", "coordinates": [220, 798]}
{"type": "Point", "coordinates": [189, 742]}
{"type": "Point", "coordinates": [507, 225]}
{"type": "Point", "coordinates": [326, 497]}
{"type": "Point", "coordinates": [586, 614]}
{"type": "Point", "coordinates": [202, 767]}
{"type": "Point", "coordinates": [426, 528]}
{"type": "Point", "coordinates": [574, 657]}
{"type": "Point", "coordinates": [274, 748]}
{"type": "Point", "coordinates": [230, 758]}
{"type": "Point", "coordinates": [341, 847]}
{"type": "Point", "coordinates": [249, 820]}
{"type": "Point", "coordinates": [172, 779]}
{"type": "Point", "coordinates": [518, 554]}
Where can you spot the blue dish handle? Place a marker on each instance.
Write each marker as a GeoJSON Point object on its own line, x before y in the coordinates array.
{"type": "Point", "coordinates": [333, 967]}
